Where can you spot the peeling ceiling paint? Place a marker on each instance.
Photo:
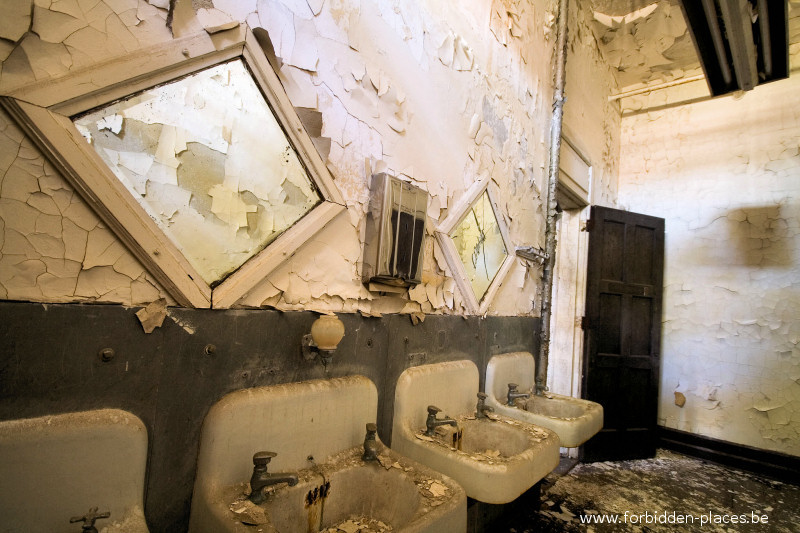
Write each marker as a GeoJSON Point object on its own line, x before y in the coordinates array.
{"type": "Point", "coordinates": [644, 41]}
{"type": "Point", "coordinates": [647, 42]}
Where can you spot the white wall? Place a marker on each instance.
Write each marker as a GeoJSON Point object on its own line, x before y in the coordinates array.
{"type": "Point", "coordinates": [441, 93]}
{"type": "Point", "coordinates": [725, 174]}
{"type": "Point", "coordinates": [592, 125]}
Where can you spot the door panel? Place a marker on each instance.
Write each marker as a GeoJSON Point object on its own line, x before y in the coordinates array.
{"type": "Point", "coordinates": [622, 331]}
{"type": "Point", "coordinates": [614, 234]}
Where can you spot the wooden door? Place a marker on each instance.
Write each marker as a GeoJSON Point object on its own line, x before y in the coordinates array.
{"type": "Point", "coordinates": [622, 331]}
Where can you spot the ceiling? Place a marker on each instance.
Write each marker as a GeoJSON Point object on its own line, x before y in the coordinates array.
{"type": "Point", "coordinates": [648, 42]}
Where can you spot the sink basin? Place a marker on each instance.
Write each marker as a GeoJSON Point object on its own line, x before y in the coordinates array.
{"type": "Point", "coordinates": [317, 429]}
{"type": "Point", "coordinates": [53, 468]}
{"type": "Point", "coordinates": [574, 420]}
{"type": "Point", "coordinates": [499, 458]}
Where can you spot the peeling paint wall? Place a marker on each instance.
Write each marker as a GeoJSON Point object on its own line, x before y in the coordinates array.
{"type": "Point", "coordinates": [54, 248]}
{"type": "Point", "coordinates": [592, 125]}
{"type": "Point", "coordinates": [591, 122]}
{"type": "Point", "coordinates": [645, 42]}
{"type": "Point", "coordinates": [725, 174]}
{"type": "Point", "coordinates": [439, 93]}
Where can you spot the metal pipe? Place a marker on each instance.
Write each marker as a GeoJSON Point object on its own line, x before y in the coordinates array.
{"type": "Point", "coordinates": [656, 87]}
{"type": "Point", "coordinates": [552, 182]}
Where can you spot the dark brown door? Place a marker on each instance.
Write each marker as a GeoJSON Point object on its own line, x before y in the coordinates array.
{"type": "Point", "coordinates": [622, 331]}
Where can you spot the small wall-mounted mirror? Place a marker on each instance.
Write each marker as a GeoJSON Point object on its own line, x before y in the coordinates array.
{"type": "Point", "coordinates": [395, 232]}
{"type": "Point", "coordinates": [480, 245]}
{"type": "Point", "coordinates": [474, 240]}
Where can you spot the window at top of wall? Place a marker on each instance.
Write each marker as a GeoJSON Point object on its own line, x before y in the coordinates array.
{"type": "Point", "coordinates": [193, 156]}
{"type": "Point", "coordinates": [206, 158]}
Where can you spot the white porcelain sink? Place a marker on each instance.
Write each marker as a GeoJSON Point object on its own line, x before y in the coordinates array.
{"type": "Point", "coordinates": [573, 419]}
{"type": "Point", "coordinates": [324, 420]}
{"type": "Point", "coordinates": [499, 459]}
{"type": "Point", "coordinates": [54, 468]}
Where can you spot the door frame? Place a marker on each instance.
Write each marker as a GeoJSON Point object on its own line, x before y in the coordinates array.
{"type": "Point", "coordinates": [565, 368]}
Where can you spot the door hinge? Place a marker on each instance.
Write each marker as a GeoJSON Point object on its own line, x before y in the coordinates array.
{"type": "Point", "coordinates": [585, 323]}
{"type": "Point", "coordinates": [588, 225]}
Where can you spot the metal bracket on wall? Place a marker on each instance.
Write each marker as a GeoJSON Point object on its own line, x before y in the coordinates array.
{"type": "Point", "coordinates": [529, 253]}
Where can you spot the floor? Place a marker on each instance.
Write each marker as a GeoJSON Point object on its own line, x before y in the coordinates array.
{"type": "Point", "coordinates": [669, 493]}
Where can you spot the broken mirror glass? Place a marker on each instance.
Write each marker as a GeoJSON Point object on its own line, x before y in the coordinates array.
{"type": "Point", "coordinates": [480, 245]}
{"type": "Point", "coordinates": [207, 159]}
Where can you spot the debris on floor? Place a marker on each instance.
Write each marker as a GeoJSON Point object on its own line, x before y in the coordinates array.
{"type": "Point", "coordinates": [668, 493]}
{"type": "Point", "coordinates": [359, 525]}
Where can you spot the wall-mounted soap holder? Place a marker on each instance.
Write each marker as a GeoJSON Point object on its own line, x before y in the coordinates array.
{"type": "Point", "coordinates": [395, 232]}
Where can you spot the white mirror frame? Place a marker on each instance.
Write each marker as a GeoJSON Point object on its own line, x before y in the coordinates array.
{"type": "Point", "coordinates": [443, 236]}
{"type": "Point", "coordinates": [43, 111]}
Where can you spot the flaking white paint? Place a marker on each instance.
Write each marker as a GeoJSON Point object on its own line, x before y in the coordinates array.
{"type": "Point", "coordinates": [725, 174]}
{"type": "Point", "coordinates": [54, 248]}
{"type": "Point", "coordinates": [440, 94]}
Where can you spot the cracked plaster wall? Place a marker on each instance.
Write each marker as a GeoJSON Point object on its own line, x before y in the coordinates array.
{"type": "Point", "coordinates": [53, 248]}
{"type": "Point", "coordinates": [725, 174]}
{"type": "Point", "coordinates": [591, 122]}
{"type": "Point", "coordinates": [439, 93]}
{"type": "Point", "coordinates": [592, 125]}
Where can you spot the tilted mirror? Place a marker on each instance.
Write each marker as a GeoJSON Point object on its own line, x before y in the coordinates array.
{"type": "Point", "coordinates": [206, 158]}
{"type": "Point", "coordinates": [474, 240]}
{"type": "Point", "coordinates": [193, 156]}
{"type": "Point", "coordinates": [480, 245]}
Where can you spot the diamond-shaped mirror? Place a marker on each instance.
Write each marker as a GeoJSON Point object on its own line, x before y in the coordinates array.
{"type": "Point", "coordinates": [206, 158]}
{"type": "Point", "coordinates": [474, 241]}
{"type": "Point", "coordinates": [193, 155]}
{"type": "Point", "coordinates": [480, 245]}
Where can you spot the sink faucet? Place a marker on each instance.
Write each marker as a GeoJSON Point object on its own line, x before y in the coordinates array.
{"type": "Point", "coordinates": [370, 444]}
{"type": "Point", "coordinates": [432, 422]}
{"type": "Point", "coordinates": [262, 479]}
{"type": "Point", "coordinates": [481, 409]}
{"type": "Point", "coordinates": [89, 519]}
{"type": "Point", "coordinates": [513, 394]}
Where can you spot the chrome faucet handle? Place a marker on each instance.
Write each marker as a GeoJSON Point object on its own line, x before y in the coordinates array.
{"type": "Point", "coordinates": [263, 458]}
{"type": "Point", "coordinates": [482, 396]}
{"type": "Point", "coordinates": [433, 410]}
{"type": "Point", "coordinates": [372, 428]}
{"type": "Point", "coordinates": [512, 387]}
